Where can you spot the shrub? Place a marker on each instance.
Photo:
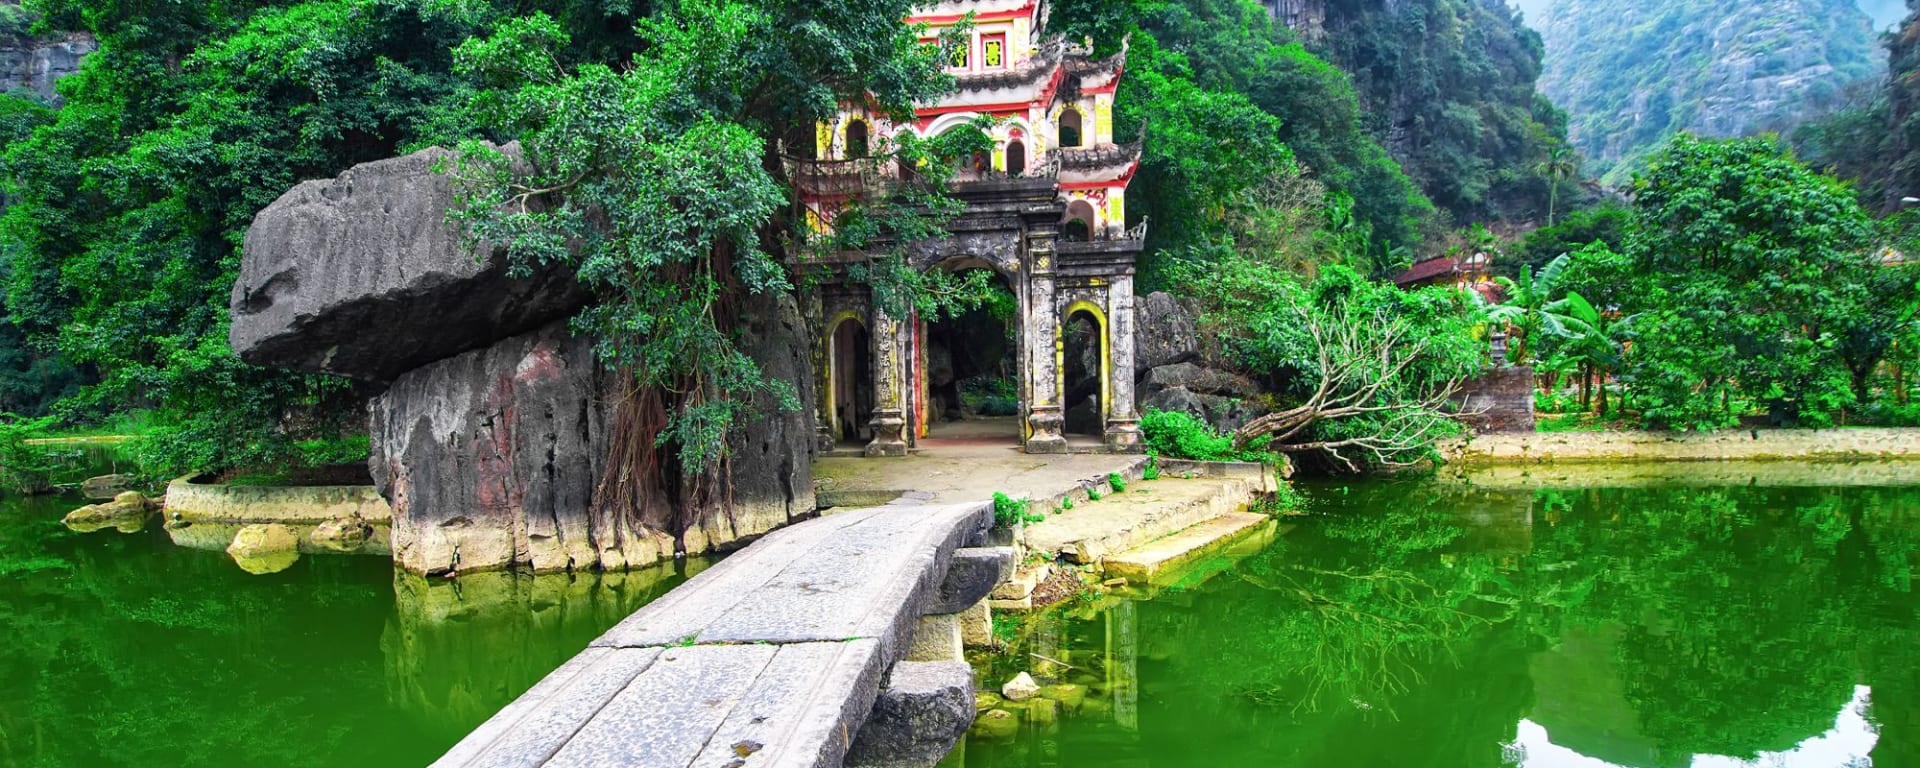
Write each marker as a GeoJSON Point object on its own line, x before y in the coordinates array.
{"type": "Point", "coordinates": [1009, 511]}
{"type": "Point", "coordinates": [1152, 470]}
{"type": "Point", "coordinates": [1181, 435]}
{"type": "Point", "coordinates": [1118, 481]}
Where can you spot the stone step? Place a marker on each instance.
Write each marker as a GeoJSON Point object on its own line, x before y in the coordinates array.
{"type": "Point", "coordinates": [1165, 556]}
{"type": "Point", "coordinates": [1093, 530]}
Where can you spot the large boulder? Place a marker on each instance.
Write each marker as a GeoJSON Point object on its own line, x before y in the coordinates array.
{"type": "Point", "coordinates": [490, 458]}
{"type": "Point", "coordinates": [1164, 332]}
{"type": "Point", "coordinates": [1206, 381]}
{"type": "Point", "coordinates": [361, 275]}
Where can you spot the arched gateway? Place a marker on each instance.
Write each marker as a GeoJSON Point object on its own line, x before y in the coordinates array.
{"type": "Point", "coordinates": [1054, 169]}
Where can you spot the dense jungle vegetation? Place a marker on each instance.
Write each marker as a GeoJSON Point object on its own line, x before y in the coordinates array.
{"type": "Point", "coordinates": [125, 208]}
{"type": "Point", "coordinates": [1310, 169]}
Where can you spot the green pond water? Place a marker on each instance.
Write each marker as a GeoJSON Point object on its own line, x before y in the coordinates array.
{"type": "Point", "coordinates": [1436, 624]}
{"type": "Point", "coordinates": [123, 649]}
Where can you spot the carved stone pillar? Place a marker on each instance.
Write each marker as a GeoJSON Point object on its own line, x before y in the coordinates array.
{"type": "Point", "coordinates": [1123, 422]}
{"type": "Point", "coordinates": [813, 309]}
{"type": "Point", "coordinates": [1046, 416]}
{"type": "Point", "coordinates": [890, 387]}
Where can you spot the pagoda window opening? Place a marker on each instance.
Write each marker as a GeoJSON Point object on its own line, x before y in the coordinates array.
{"type": "Point", "coordinates": [1016, 158]}
{"type": "Point", "coordinates": [856, 139]}
{"type": "Point", "coordinates": [1070, 127]}
{"type": "Point", "coordinates": [1078, 228]}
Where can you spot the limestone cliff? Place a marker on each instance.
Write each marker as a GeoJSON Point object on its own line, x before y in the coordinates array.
{"type": "Point", "coordinates": [34, 64]}
{"type": "Point", "coordinates": [1632, 72]}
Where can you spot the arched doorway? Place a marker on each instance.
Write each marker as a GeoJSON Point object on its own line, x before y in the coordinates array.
{"type": "Point", "coordinates": [850, 381]}
{"type": "Point", "coordinates": [1016, 158]}
{"type": "Point", "coordinates": [1070, 127]}
{"type": "Point", "coordinates": [1085, 368]}
{"type": "Point", "coordinates": [968, 384]}
{"type": "Point", "coordinates": [1078, 227]}
{"type": "Point", "coordinates": [856, 139]}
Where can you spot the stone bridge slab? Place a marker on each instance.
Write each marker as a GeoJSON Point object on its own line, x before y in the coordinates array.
{"type": "Point", "coordinates": [774, 657]}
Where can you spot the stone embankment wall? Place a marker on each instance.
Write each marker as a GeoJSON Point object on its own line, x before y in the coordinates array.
{"type": "Point", "coordinates": [210, 502]}
{"type": "Point", "coordinates": [1731, 445]}
{"type": "Point", "coordinates": [490, 436]}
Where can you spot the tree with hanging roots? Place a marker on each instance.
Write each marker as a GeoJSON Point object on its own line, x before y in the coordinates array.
{"type": "Point", "coordinates": [660, 183]}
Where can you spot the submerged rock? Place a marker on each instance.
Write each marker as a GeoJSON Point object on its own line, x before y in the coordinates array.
{"type": "Point", "coordinates": [996, 725]}
{"type": "Point", "coordinates": [265, 548]}
{"type": "Point", "coordinates": [1020, 688]}
{"type": "Point", "coordinates": [127, 513]}
{"type": "Point", "coordinates": [105, 486]}
{"type": "Point", "coordinates": [1069, 695]}
{"type": "Point", "coordinates": [345, 534]}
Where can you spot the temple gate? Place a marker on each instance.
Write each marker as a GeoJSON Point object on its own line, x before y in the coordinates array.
{"type": "Point", "coordinates": [1045, 211]}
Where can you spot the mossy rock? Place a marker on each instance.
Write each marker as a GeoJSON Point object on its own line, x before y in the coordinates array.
{"type": "Point", "coordinates": [1069, 696]}
{"type": "Point", "coordinates": [996, 725]}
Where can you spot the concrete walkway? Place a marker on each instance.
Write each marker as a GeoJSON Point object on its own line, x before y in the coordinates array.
{"type": "Point", "coordinates": [774, 657]}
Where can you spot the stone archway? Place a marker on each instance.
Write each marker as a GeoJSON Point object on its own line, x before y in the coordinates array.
{"type": "Point", "coordinates": [967, 369]}
{"type": "Point", "coordinates": [1086, 370]}
{"type": "Point", "coordinates": [849, 379]}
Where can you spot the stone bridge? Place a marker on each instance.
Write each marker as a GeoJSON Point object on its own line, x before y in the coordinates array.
{"type": "Point", "coordinates": [774, 657]}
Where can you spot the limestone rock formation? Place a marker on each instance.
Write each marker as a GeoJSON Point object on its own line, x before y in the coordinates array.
{"type": "Point", "coordinates": [490, 458]}
{"type": "Point", "coordinates": [1630, 73]}
{"type": "Point", "coordinates": [1164, 333]}
{"type": "Point", "coordinates": [105, 487]}
{"type": "Point", "coordinates": [361, 275]}
{"type": "Point", "coordinates": [34, 64]}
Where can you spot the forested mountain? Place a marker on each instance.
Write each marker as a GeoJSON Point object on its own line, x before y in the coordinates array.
{"type": "Point", "coordinates": [1449, 86]}
{"type": "Point", "coordinates": [1872, 134]}
{"type": "Point", "coordinates": [1630, 73]}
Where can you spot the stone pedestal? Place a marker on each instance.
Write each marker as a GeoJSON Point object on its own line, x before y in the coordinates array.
{"type": "Point", "coordinates": [889, 434]}
{"type": "Point", "coordinates": [1123, 436]}
{"type": "Point", "coordinates": [1046, 422]}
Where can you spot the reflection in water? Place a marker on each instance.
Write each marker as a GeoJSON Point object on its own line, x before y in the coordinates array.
{"type": "Point", "coordinates": [1847, 743]}
{"type": "Point", "coordinates": [131, 651]}
{"type": "Point", "coordinates": [1440, 625]}
{"type": "Point", "coordinates": [457, 650]}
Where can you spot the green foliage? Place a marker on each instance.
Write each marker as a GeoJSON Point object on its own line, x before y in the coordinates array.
{"type": "Point", "coordinates": [15, 21]}
{"type": "Point", "coordinates": [1284, 500]}
{"type": "Point", "coordinates": [25, 469]}
{"type": "Point", "coordinates": [648, 181]}
{"type": "Point", "coordinates": [1752, 272]}
{"type": "Point", "coordinates": [1009, 512]}
{"type": "Point", "coordinates": [1451, 83]}
{"type": "Point", "coordinates": [1182, 436]}
{"type": "Point", "coordinates": [1152, 470]}
{"type": "Point", "coordinates": [1235, 107]}
{"type": "Point", "coordinates": [1117, 481]}
{"type": "Point", "coordinates": [1605, 223]}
